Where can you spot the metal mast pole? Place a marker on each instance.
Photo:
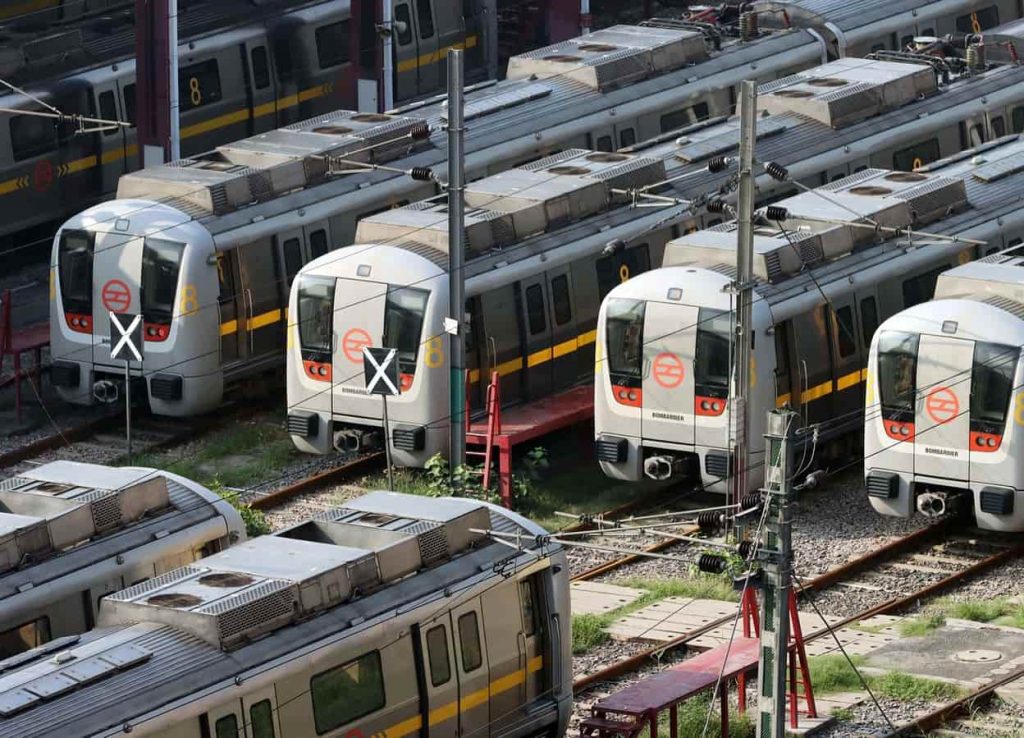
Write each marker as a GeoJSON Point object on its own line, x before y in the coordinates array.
{"type": "Point", "coordinates": [174, 105]}
{"type": "Point", "coordinates": [388, 68]}
{"type": "Point", "coordinates": [777, 553]}
{"type": "Point", "coordinates": [744, 278]}
{"type": "Point", "coordinates": [456, 274]}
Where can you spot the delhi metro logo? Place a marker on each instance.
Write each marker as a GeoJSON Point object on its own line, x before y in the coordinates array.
{"type": "Point", "coordinates": [668, 370]}
{"type": "Point", "coordinates": [116, 296]}
{"type": "Point", "coordinates": [353, 343]}
{"type": "Point", "coordinates": [942, 405]}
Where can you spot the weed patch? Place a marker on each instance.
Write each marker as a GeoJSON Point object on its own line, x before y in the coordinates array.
{"type": "Point", "coordinates": [588, 631]}
{"type": "Point", "coordinates": [900, 686]}
{"type": "Point", "coordinates": [922, 625]}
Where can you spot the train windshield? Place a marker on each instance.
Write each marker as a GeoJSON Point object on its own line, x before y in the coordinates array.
{"type": "Point", "coordinates": [624, 331]}
{"type": "Point", "coordinates": [897, 371]}
{"type": "Point", "coordinates": [161, 262]}
{"type": "Point", "coordinates": [74, 262]}
{"type": "Point", "coordinates": [403, 323]}
{"type": "Point", "coordinates": [711, 364]}
{"type": "Point", "coordinates": [316, 314]}
{"type": "Point", "coordinates": [992, 382]}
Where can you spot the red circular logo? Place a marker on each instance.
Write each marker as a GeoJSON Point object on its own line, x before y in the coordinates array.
{"type": "Point", "coordinates": [353, 343]}
{"type": "Point", "coordinates": [42, 175]}
{"type": "Point", "coordinates": [668, 370]}
{"type": "Point", "coordinates": [116, 296]}
{"type": "Point", "coordinates": [942, 405]}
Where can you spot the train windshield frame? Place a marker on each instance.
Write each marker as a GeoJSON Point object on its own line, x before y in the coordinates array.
{"type": "Point", "coordinates": [74, 265]}
{"type": "Point", "coordinates": [897, 374]}
{"type": "Point", "coordinates": [161, 268]}
{"type": "Point", "coordinates": [315, 307]}
{"type": "Point", "coordinates": [992, 373]}
{"type": "Point", "coordinates": [404, 310]}
{"type": "Point", "coordinates": [624, 340]}
{"type": "Point", "coordinates": [711, 361]}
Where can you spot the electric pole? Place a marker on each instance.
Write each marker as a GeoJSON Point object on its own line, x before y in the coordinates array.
{"type": "Point", "coordinates": [456, 274]}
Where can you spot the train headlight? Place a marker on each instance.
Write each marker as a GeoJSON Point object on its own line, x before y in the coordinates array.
{"type": "Point", "coordinates": [705, 405]}
{"type": "Point", "coordinates": [990, 442]}
{"type": "Point", "coordinates": [631, 395]}
{"type": "Point", "coordinates": [322, 371]}
{"type": "Point", "coordinates": [904, 430]}
{"type": "Point", "coordinates": [716, 406]}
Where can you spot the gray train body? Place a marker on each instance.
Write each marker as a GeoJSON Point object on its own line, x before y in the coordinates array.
{"type": "Point", "coordinates": [392, 615]}
{"type": "Point", "coordinates": [944, 409]}
{"type": "Point", "coordinates": [220, 244]}
{"type": "Point", "coordinates": [662, 394]}
{"type": "Point", "coordinates": [72, 533]}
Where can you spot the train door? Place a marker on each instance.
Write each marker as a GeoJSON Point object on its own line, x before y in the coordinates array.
{"type": "Point", "coordinates": [318, 240]}
{"type": "Point", "coordinates": [478, 362]}
{"type": "Point", "coordinates": [942, 416]}
{"type": "Point", "coordinates": [473, 669]}
{"type": "Point", "coordinates": [358, 322]}
{"type": "Point", "coordinates": [428, 64]}
{"type": "Point", "coordinates": [537, 329]}
{"type": "Point", "coordinates": [503, 347]}
{"type": "Point", "coordinates": [811, 341]}
{"type": "Point", "coordinates": [112, 143]}
{"type": "Point", "coordinates": [440, 685]}
{"type": "Point", "coordinates": [531, 609]}
{"type": "Point", "coordinates": [261, 719]}
{"type": "Point", "coordinates": [226, 721]}
{"type": "Point", "coordinates": [565, 359]}
{"type": "Point", "coordinates": [602, 139]}
{"type": "Point", "coordinates": [506, 655]}
{"type": "Point", "coordinates": [849, 359]}
{"type": "Point", "coordinates": [670, 348]}
{"type": "Point", "coordinates": [406, 52]}
{"type": "Point", "coordinates": [117, 267]}
{"type": "Point", "coordinates": [284, 71]}
{"type": "Point", "coordinates": [291, 250]}
{"type": "Point", "coordinates": [232, 305]}
{"type": "Point", "coordinates": [260, 88]}
{"type": "Point", "coordinates": [261, 289]}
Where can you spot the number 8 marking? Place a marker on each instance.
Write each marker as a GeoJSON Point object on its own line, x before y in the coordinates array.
{"type": "Point", "coordinates": [975, 23]}
{"type": "Point", "coordinates": [434, 355]}
{"type": "Point", "coordinates": [189, 300]}
{"type": "Point", "coordinates": [194, 93]}
{"type": "Point", "coordinates": [624, 273]}
{"type": "Point", "coordinates": [1018, 409]}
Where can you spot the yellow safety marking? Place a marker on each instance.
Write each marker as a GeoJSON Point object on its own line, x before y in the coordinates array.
{"type": "Point", "coordinates": [264, 109]}
{"type": "Point", "coordinates": [264, 319]}
{"type": "Point", "coordinates": [11, 185]}
{"type": "Point", "coordinates": [815, 392]}
{"type": "Point", "coordinates": [213, 124]}
{"type": "Point", "coordinates": [587, 338]}
{"type": "Point", "coordinates": [508, 367]}
{"type": "Point", "coordinates": [27, 7]}
{"type": "Point", "coordinates": [538, 357]}
{"type": "Point", "coordinates": [434, 56]}
{"type": "Point", "coordinates": [565, 347]}
{"type": "Point", "coordinates": [228, 327]}
{"type": "Point", "coordinates": [118, 154]}
{"type": "Point", "coordinates": [849, 380]}
{"type": "Point", "coordinates": [474, 376]}
{"type": "Point", "coordinates": [825, 388]}
{"type": "Point", "coordinates": [78, 165]}
{"type": "Point", "coordinates": [782, 399]}
{"type": "Point", "coordinates": [404, 728]}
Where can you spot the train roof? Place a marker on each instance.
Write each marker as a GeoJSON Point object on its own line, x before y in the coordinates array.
{"type": "Point", "coordinates": [260, 605]}
{"type": "Point", "coordinates": [848, 16]}
{"type": "Point", "coordinates": [64, 516]}
{"type": "Point", "coordinates": [998, 279]}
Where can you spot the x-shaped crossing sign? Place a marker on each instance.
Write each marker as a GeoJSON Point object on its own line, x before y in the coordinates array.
{"type": "Point", "coordinates": [380, 369]}
{"type": "Point", "coordinates": [125, 337]}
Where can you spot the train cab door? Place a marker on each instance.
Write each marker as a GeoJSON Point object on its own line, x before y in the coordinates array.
{"type": "Point", "coordinates": [670, 349]}
{"type": "Point", "coordinates": [942, 412]}
{"type": "Point", "coordinates": [112, 143]}
{"type": "Point", "coordinates": [226, 721]}
{"type": "Point", "coordinates": [283, 59]}
{"type": "Point", "coordinates": [531, 608]}
{"type": "Point", "coordinates": [291, 251]}
{"type": "Point", "coordinates": [261, 287]}
{"type": "Point", "coordinates": [428, 60]}
{"type": "Point", "coordinates": [260, 712]}
{"type": "Point", "coordinates": [232, 304]}
{"type": "Point", "coordinates": [537, 330]}
{"type": "Point", "coordinates": [503, 347]}
{"type": "Point", "coordinates": [473, 669]}
{"type": "Point", "coordinates": [318, 240]}
{"type": "Point", "coordinates": [256, 63]}
{"type": "Point", "coordinates": [117, 271]}
{"type": "Point", "coordinates": [849, 359]}
{"type": "Point", "coordinates": [358, 322]}
{"type": "Point", "coordinates": [440, 684]}
{"type": "Point", "coordinates": [565, 359]}
{"type": "Point", "coordinates": [602, 139]}
{"type": "Point", "coordinates": [406, 52]}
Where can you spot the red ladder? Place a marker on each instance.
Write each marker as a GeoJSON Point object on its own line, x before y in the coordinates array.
{"type": "Point", "coordinates": [486, 442]}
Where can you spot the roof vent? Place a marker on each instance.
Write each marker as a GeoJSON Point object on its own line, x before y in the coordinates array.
{"type": "Point", "coordinates": [848, 90]}
{"type": "Point", "coordinates": [998, 277]}
{"type": "Point", "coordinates": [612, 57]}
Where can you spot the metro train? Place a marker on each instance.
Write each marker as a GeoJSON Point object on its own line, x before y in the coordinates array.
{"type": "Point", "coordinates": [382, 297]}
{"type": "Point", "coordinates": [943, 401]}
{"type": "Point", "coordinates": [210, 329]}
{"type": "Point", "coordinates": [280, 66]}
{"type": "Point", "coordinates": [72, 533]}
{"type": "Point", "coordinates": [663, 389]}
{"type": "Point", "coordinates": [389, 615]}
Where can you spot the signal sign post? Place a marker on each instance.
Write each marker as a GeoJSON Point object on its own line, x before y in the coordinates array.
{"type": "Point", "coordinates": [126, 344]}
{"type": "Point", "coordinates": [380, 370]}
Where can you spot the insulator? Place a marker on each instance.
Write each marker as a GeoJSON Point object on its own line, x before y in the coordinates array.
{"type": "Point", "coordinates": [716, 206]}
{"type": "Point", "coordinates": [709, 521]}
{"type": "Point", "coordinates": [976, 56]}
{"type": "Point", "coordinates": [751, 501]}
{"type": "Point", "coordinates": [744, 549]}
{"type": "Point", "coordinates": [776, 212]}
{"type": "Point", "coordinates": [711, 564]}
{"type": "Point", "coordinates": [776, 171]}
{"type": "Point", "coordinates": [419, 134]}
{"type": "Point", "coordinates": [748, 25]}
{"type": "Point", "coordinates": [423, 174]}
{"type": "Point", "coordinates": [718, 164]}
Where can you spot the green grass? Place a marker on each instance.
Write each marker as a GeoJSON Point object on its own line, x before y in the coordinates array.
{"type": "Point", "coordinates": [981, 611]}
{"type": "Point", "coordinates": [702, 586]}
{"type": "Point", "coordinates": [922, 625]}
{"type": "Point", "coordinates": [833, 673]}
{"type": "Point", "coordinates": [693, 714]}
{"type": "Point", "coordinates": [843, 714]}
{"type": "Point", "coordinates": [588, 631]}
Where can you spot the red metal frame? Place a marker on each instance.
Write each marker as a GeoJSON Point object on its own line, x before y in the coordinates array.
{"type": "Point", "coordinates": [30, 339]}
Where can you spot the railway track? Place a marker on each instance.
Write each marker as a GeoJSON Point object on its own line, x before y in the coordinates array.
{"type": "Point", "coordinates": [948, 561]}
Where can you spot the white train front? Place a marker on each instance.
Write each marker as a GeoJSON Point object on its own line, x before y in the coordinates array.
{"type": "Point", "coordinates": [944, 407]}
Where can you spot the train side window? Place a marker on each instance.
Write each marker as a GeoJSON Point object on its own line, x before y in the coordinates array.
{"type": "Point", "coordinates": [906, 41]}
{"type": "Point", "coordinates": [998, 126]}
{"type": "Point", "coordinates": [977, 135]}
{"type": "Point", "coordinates": [283, 58]}
{"type": "Point", "coordinates": [627, 137]}
{"type": "Point", "coordinates": [917, 155]}
{"type": "Point", "coordinates": [74, 266]}
{"type": "Point", "coordinates": [604, 143]}
{"type": "Point", "coordinates": [979, 20]}
{"type": "Point", "coordinates": [108, 110]}
{"type": "Point", "coordinates": [161, 265]}
{"type": "Point", "coordinates": [861, 168]}
{"type": "Point", "coordinates": [347, 692]}
{"type": "Point", "coordinates": [32, 135]}
{"type": "Point", "coordinates": [332, 44]}
{"type": "Point", "coordinates": [560, 299]}
{"type": "Point", "coordinates": [226, 276]}
{"type": "Point", "coordinates": [261, 718]}
{"type": "Point", "coordinates": [897, 372]}
{"type": "Point", "coordinates": [920, 288]}
{"type": "Point", "coordinates": [991, 385]}
{"type": "Point", "coordinates": [403, 323]}
{"type": "Point", "coordinates": [469, 639]}
{"type": "Point", "coordinates": [673, 120]}
{"type": "Point", "coordinates": [226, 727]}
{"type": "Point", "coordinates": [437, 655]}
{"type": "Point", "coordinates": [527, 598]}
{"type": "Point", "coordinates": [535, 309]}
{"type": "Point", "coordinates": [199, 84]}
{"type": "Point", "coordinates": [260, 67]}
{"type": "Point", "coordinates": [318, 243]}
{"type": "Point", "coordinates": [424, 18]}
{"type": "Point", "coordinates": [868, 319]}
{"type": "Point", "coordinates": [700, 112]}
{"type": "Point", "coordinates": [292, 258]}
{"type": "Point", "coordinates": [1017, 120]}
{"type": "Point", "coordinates": [129, 103]}
{"type": "Point", "coordinates": [26, 636]}
{"type": "Point", "coordinates": [845, 336]}
{"type": "Point", "coordinates": [403, 21]}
